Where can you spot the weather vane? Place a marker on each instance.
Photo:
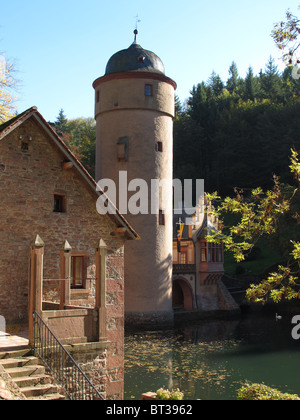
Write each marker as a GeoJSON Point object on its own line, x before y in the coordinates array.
{"type": "Point", "coordinates": [137, 21]}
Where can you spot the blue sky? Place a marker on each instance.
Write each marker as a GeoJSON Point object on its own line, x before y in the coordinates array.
{"type": "Point", "coordinates": [61, 46]}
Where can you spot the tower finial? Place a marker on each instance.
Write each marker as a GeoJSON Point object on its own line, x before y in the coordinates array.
{"type": "Point", "coordinates": [137, 21]}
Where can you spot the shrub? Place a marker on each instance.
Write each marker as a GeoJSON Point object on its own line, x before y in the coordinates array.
{"type": "Point", "coordinates": [165, 394]}
{"type": "Point", "coordinates": [261, 392]}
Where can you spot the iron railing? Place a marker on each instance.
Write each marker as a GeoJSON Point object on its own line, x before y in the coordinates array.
{"type": "Point", "coordinates": [63, 367]}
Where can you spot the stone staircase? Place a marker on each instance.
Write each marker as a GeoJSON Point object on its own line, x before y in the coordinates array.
{"type": "Point", "coordinates": [30, 375]}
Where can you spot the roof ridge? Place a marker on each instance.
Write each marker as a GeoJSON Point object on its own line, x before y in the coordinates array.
{"type": "Point", "coordinates": [10, 125]}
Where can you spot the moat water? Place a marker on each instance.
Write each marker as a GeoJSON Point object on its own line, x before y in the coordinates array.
{"type": "Point", "coordinates": [210, 360]}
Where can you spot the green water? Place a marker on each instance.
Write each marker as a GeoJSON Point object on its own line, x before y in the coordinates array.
{"type": "Point", "coordinates": [211, 360]}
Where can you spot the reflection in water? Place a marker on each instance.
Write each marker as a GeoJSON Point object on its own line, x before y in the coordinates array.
{"type": "Point", "coordinates": [211, 360]}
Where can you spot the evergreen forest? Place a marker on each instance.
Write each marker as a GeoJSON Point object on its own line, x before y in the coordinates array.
{"type": "Point", "coordinates": [238, 133]}
{"type": "Point", "coordinates": [233, 134]}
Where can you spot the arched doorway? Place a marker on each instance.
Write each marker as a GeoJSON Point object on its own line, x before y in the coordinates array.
{"type": "Point", "coordinates": [182, 295]}
{"type": "Point", "coordinates": [178, 296]}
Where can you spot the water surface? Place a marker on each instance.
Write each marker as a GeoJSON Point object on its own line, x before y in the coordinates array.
{"type": "Point", "coordinates": [210, 360]}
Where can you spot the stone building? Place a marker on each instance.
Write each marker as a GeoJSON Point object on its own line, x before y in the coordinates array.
{"type": "Point", "coordinates": [198, 266]}
{"type": "Point", "coordinates": [48, 203]}
{"type": "Point", "coordinates": [134, 111]}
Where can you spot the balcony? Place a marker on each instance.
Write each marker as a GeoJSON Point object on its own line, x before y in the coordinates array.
{"type": "Point", "coordinates": [184, 268]}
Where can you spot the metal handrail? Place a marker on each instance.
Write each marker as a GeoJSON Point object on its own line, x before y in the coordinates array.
{"type": "Point", "coordinates": [58, 360]}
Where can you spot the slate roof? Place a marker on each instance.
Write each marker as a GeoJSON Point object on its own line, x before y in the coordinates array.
{"type": "Point", "coordinates": [135, 59]}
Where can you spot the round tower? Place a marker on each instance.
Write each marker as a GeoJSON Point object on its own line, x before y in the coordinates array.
{"type": "Point", "coordinates": [134, 112]}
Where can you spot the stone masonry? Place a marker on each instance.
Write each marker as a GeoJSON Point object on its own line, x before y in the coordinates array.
{"type": "Point", "coordinates": [31, 173]}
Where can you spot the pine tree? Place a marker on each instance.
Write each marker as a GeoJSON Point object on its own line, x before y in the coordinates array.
{"type": "Point", "coordinates": [233, 81]}
{"type": "Point", "coordinates": [251, 86]}
{"type": "Point", "coordinates": [270, 81]}
{"type": "Point", "coordinates": [61, 122]}
{"type": "Point", "coordinates": [216, 84]}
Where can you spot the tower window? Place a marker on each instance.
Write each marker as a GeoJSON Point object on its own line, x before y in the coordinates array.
{"type": "Point", "coordinates": [59, 204]}
{"type": "Point", "coordinates": [98, 96]}
{"type": "Point", "coordinates": [123, 148]}
{"type": "Point", "coordinates": [148, 90]}
{"type": "Point", "coordinates": [161, 218]}
{"type": "Point", "coordinates": [159, 146]}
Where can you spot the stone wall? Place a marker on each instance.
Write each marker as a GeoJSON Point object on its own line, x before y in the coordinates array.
{"type": "Point", "coordinates": [226, 301]}
{"type": "Point", "coordinates": [124, 111]}
{"type": "Point", "coordinates": [29, 179]}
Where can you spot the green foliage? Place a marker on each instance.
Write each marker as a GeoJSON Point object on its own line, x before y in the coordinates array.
{"type": "Point", "coordinates": [165, 394]}
{"type": "Point", "coordinates": [286, 35]}
{"type": "Point", "coordinates": [61, 122]}
{"type": "Point", "coordinates": [261, 392]}
{"type": "Point", "coordinates": [258, 216]}
{"type": "Point", "coordinates": [238, 133]}
{"type": "Point", "coordinates": [80, 136]}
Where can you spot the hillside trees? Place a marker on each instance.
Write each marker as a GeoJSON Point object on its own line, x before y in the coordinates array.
{"type": "Point", "coordinates": [258, 215]}
{"type": "Point", "coordinates": [241, 134]}
{"type": "Point", "coordinates": [80, 136]}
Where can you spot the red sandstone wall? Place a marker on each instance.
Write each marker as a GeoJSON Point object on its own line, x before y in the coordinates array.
{"type": "Point", "coordinates": [28, 182]}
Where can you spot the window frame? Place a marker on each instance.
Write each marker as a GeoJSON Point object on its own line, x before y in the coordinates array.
{"type": "Point", "coordinates": [211, 253]}
{"type": "Point", "coordinates": [159, 146]}
{"type": "Point", "coordinates": [148, 90]}
{"type": "Point", "coordinates": [61, 200]}
{"type": "Point", "coordinates": [83, 279]}
{"type": "Point", "coordinates": [161, 218]}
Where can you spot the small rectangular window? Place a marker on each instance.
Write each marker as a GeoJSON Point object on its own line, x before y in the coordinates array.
{"type": "Point", "coordinates": [161, 218]}
{"type": "Point", "coordinates": [122, 149]}
{"type": "Point", "coordinates": [175, 255]}
{"type": "Point", "coordinates": [59, 204]}
{"type": "Point", "coordinates": [183, 255]}
{"type": "Point", "coordinates": [98, 96]}
{"type": "Point", "coordinates": [159, 146]}
{"type": "Point", "coordinates": [78, 274]}
{"type": "Point", "coordinates": [25, 146]}
{"type": "Point", "coordinates": [148, 90]}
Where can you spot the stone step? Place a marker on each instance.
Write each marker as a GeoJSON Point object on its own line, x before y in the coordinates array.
{"type": "Point", "coordinates": [32, 381]}
{"type": "Point", "coordinates": [15, 353]}
{"type": "Point", "coordinates": [28, 370]}
{"type": "Point", "coordinates": [14, 362]}
{"type": "Point", "coordinates": [39, 390]}
{"type": "Point", "coordinates": [48, 397]}
{"type": "Point", "coordinates": [29, 374]}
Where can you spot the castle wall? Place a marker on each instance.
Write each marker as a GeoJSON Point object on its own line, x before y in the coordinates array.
{"type": "Point", "coordinates": [124, 111]}
{"type": "Point", "coordinates": [28, 181]}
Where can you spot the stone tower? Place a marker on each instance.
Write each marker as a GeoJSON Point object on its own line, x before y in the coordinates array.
{"type": "Point", "coordinates": [134, 112]}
